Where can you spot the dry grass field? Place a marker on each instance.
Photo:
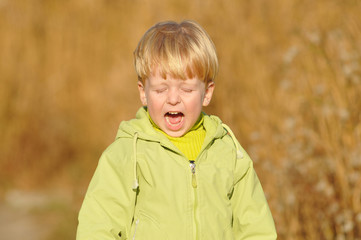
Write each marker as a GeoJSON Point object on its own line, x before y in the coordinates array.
{"type": "Point", "coordinates": [289, 86]}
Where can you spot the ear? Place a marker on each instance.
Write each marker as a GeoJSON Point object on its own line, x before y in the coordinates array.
{"type": "Point", "coordinates": [142, 95]}
{"type": "Point", "coordinates": [208, 94]}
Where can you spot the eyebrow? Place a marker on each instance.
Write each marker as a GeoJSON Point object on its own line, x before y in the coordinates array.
{"type": "Point", "coordinates": [158, 84]}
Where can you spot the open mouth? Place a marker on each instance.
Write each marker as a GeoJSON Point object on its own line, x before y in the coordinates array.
{"type": "Point", "coordinates": [174, 118]}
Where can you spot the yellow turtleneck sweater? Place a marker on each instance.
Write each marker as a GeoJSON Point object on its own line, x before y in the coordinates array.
{"type": "Point", "coordinates": [189, 144]}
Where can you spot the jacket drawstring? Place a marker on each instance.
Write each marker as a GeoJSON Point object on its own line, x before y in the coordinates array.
{"type": "Point", "coordinates": [239, 152]}
{"type": "Point", "coordinates": [135, 181]}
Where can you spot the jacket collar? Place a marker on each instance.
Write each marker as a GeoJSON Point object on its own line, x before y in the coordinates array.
{"type": "Point", "coordinates": [143, 126]}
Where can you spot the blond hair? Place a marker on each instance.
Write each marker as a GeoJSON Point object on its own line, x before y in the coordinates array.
{"type": "Point", "coordinates": [182, 50]}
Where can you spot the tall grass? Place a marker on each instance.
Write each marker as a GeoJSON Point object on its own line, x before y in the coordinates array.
{"type": "Point", "coordinates": [289, 85]}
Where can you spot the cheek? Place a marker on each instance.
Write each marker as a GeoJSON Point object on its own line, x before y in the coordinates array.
{"type": "Point", "coordinates": [194, 102]}
{"type": "Point", "coordinates": [154, 102]}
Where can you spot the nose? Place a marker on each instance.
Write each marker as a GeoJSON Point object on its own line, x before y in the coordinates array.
{"type": "Point", "coordinates": [173, 97]}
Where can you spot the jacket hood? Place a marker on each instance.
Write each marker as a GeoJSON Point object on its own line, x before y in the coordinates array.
{"type": "Point", "coordinates": [143, 127]}
{"type": "Point", "coordinates": [140, 124]}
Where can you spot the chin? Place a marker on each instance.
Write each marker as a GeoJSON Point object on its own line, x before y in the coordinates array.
{"type": "Point", "coordinates": [175, 134]}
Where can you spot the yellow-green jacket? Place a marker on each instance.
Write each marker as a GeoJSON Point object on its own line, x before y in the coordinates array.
{"type": "Point", "coordinates": [220, 198]}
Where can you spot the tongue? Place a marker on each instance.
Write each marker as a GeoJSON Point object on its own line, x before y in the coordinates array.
{"type": "Point", "coordinates": [174, 118]}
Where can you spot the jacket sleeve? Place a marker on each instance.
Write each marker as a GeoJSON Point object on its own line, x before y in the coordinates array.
{"type": "Point", "coordinates": [108, 207]}
{"type": "Point", "coordinates": [252, 219]}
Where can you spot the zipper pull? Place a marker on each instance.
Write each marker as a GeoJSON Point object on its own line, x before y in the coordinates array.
{"type": "Point", "coordinates": [193, 170]}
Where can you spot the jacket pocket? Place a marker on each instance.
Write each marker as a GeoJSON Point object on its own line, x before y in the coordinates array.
{"type": "Point", "coordinates": [123, 234]}
{"type": "Point", "coordinates": [146, 227]}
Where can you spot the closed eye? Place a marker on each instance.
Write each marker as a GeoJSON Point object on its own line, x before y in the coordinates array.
{"type": "Point", "coordinates": [187, 90]}
{"type": "Point", "coordinates": [161, 90]}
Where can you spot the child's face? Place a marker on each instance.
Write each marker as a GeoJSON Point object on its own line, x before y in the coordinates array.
{"type": "Point", "coordinates": [174, 104]}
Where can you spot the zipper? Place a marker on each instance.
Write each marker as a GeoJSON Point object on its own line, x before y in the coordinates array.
{"type": "Point", "coordinates": [193, 170]}
{"type": "Point", "coordinates": [195, 198]}
{"type": "Point", "coordinates": [135, 228]}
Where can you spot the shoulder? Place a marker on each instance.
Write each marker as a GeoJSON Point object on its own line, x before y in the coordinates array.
{"type": "Point", "coordinates": [117, 153]}
{"type": "Point", "coordinates": [120, 145]}
{"type": "Point", "coordinates": [243, 160]}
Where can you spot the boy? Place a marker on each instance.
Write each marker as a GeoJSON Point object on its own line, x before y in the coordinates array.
{"type": "Point", "coordinates": [175, 172]}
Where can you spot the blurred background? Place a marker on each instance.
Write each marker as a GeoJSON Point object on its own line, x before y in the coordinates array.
{"type": "Point", "coordinates": [289, 86]}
